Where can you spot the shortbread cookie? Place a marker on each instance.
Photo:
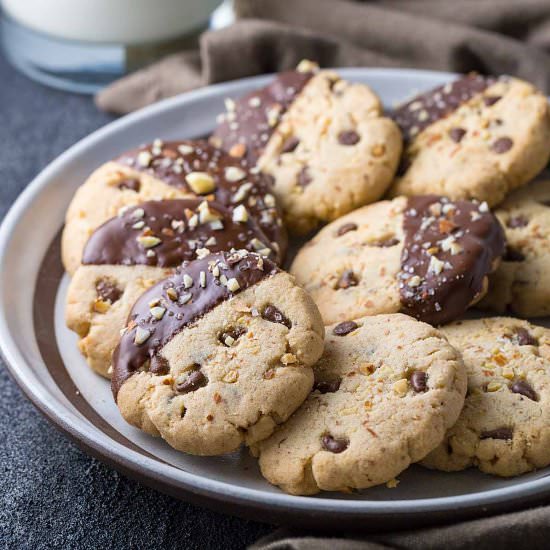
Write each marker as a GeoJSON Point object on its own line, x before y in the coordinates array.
{"type": "Point", "coordinates": [218, 354]}
{"type": "Point", "coordinates": [133, 251]}
{"type": "Point", "coordinates": [386, 390]}
{"type": "Point", "coordinates": [521, 284]}
{"type": "Point", "coordinates": [425, 256]}
{"type": "Point", "coordinates": [474, 138]}
{"type": "Point", "coordinates": [504, 428]}
{"type": "Point", "coordinates": [168, 170]}
{"type": "Point", "coordinates": [325, 142]}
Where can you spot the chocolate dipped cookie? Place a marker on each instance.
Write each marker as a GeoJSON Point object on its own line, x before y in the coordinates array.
{"type": "Point", "coordinates": [325, 142]}
{"type": "Point", "coordinates": [131, 252]}
{"type": "Point", "coordinates": [170, 170]}
{"type": "Point", "coordinates": [426, 256]}
{"type": "Point", "coordinates": [474, 138]}
{"type": "Point", "coordinates": [217, 354]}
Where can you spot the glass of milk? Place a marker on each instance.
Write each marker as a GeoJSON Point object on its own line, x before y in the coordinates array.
{"type": "Point", "coordinates": [82, 45]}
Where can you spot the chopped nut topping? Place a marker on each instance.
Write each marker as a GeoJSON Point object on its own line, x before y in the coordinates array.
{"type": "Point", "coordinates": [158, 312]}
{"type": "Point", "coordinates": [241, 192]}
{"type": "Point", "coordinates": [436, 266]}
{"type": "Point", "coordinates": [144, 158]}
{"type": "Point", "coordinates": [185, 149]}
{"type": "Point", "coordinates": [187, 281]}
{"type": "Point", "coordinates": [172, 294]}
{"type": "Point", "coordinates": [233, 285]}
{"type": "Point", "coordinates": [200, 182]}
{"type": "Point", "coordinates": [142, 335]}
{"type": "Point", "coordinates": [148, 241]}
{"type": "Point", "coordinates": [240, 214]}
{"type": "Point", "coordinates": [233, 174]}
{"type": "Point", "coordinates": [138, 213]}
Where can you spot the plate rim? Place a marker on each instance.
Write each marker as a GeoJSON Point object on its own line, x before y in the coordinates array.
{"type": "Point", "coordinates": [212, 491]}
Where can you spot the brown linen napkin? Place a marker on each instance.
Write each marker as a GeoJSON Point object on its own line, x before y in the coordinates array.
{"type": "Point", "coordinates": [528, 529]}
{"type": "Point", "coordinates": [488, 36]}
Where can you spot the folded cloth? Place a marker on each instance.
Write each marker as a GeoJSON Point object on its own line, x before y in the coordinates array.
{"type": "Point", "coordinates": [488, 36]}
{"type": "Point", "coordinates": [528, 529]}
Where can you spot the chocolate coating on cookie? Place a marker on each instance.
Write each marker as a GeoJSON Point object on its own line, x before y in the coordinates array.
{"type": "Point", "coordinates": [169, 306]}
{"type": "Point", "coordinates": [229, 180]}
{"type": "Point", "coordinates": [425, 109]}
{"type": "Point", "coordinates": [249, 122]}
{"type": "Point", "coordinates": [449, 249]}
{"type": "Point", "coordinates": [166, 233]}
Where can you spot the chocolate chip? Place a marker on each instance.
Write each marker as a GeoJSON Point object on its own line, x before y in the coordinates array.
{"type": "Point", "coordinates": [159, 365]}
{"type": "Point", "coordinates": [304, 177]}
{"type": "Point", "coordinates": [272, 314]}
{"type": "Point", "coordinates": [499, 433]}
{"type": "Point", "coordinates": [108, 291]}
{"type": "Point", "coordinates": [327, 387]}
{"type": "Point", "coordinates": [501, 145]}
{"type": "Point", "coordinates": [491, 99]}
{"type": "Point", "coordinates": [131, 183]}
{"type": "Point", "coordinates": [388, 243]}
{"type": "Point", "coordinates": [419, 381]}
{"type": "Point", "coordinates": [523, 388]}
{"type": "Point", "coordinates": [513, 255]}
{"type": "Point", "coordinates": [456, 134]}
{"type": "Point", "coordinates": [234, 333]}
{"type": "Point", "coordinates": [347, 279]}
{"type": "Point", "coordinates": [334, 445]}
{"type": "Point", "coordinates": [346, 228]}
{"type": "Point", "coordinates": [290, 144]}
{"type": "Point", "coordinates": [524, 338]}
{"type": "Point", "coordinates": [344, 328]}
{"type": "Point", "coordinates": [517, 221]}
{"type": "Point", "coordinates": [348, 137]}
{"type": "Point", "coordinates": [195, 380]}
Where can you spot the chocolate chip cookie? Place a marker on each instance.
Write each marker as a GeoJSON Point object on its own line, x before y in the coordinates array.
{"type": "Point", "coordinates": [168, 170]}
{"type": "Point", "coordinates": [386, 389]}
{"type": "Point", "coordinates": [504, 428]}
{"type": "Point", "coordinates": [426, 256]}
{"type": "Point", "coordinates": [131, 252]}
{"type": "Point", "coordinates": [521, 284]}
{"type": "Point", "coordinates": [218, 354]}
{"type": "Point", "coordinates": [475, 138]}
{"type": "Point", "coordinates": [323, 140]}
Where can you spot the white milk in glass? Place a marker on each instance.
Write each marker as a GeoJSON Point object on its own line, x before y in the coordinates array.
{"type": "Point", "coordinates": [84, 44]}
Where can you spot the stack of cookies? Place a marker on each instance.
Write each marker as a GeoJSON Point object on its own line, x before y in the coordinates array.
{"type": "Point", "coordinates": [356, 361]}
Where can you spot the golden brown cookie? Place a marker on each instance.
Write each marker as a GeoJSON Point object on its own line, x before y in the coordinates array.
{"type": "Point", "coordinates": [504, 428]}
{"type": "Point", "coordinates": [521, 284]}
{"type": "Point", "coordinates": [217, 354]}
{"type": "Point", "coordinates": [475, 138]}
{"type": "Point", "coordinates": [425, 256]}
{"type": "Point", "coordinates": [323, 140]}
{"type": "Point", "coordinates": [386, 389]}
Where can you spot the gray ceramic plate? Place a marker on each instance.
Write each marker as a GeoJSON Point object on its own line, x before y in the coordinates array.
{"type": "Point", "coordinates": [42, 356]}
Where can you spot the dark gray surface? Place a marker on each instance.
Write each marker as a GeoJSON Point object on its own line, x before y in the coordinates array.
{"type": "Point", "coordinates": [51, 494]}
